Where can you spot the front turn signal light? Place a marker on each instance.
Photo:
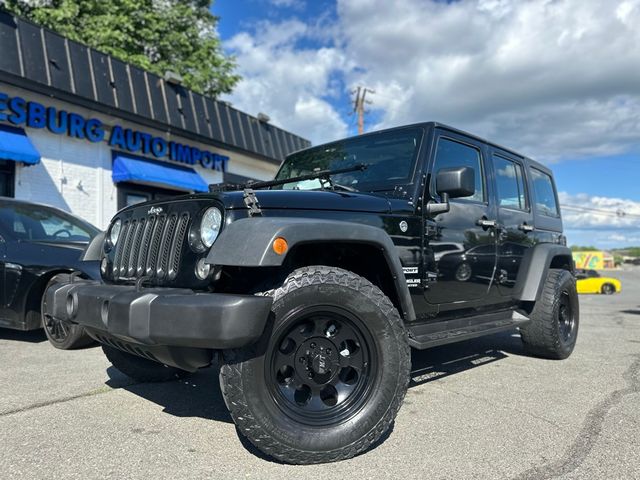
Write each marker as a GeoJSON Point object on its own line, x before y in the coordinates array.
{"type": "Point", "coordinates": [280, 246]}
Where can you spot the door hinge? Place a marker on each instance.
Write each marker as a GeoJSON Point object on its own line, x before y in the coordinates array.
{"type": "Point", "coordinates": [430, 228]}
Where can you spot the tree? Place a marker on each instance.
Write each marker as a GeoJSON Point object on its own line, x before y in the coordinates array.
{"type": "Point", "coordinates": [580, 248]}
{"type": "Point", "coordinates": [157, 35]}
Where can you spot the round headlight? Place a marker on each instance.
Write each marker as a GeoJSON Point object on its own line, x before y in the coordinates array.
{"type": "Point", "coordinates": [114, 233]}
{"type": "Point", "coordinates": [210, 226]}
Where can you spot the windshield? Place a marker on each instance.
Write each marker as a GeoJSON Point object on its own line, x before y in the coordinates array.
{"type": "Point", "coordinates": [38, 223]}
{"type": "Point", "coordinates": [390, 158]}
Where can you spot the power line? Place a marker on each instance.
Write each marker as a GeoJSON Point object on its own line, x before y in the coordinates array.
{"type": "Point", "coordinates": [358, 105]}
{"type": "Point", "coordinates": [617, 213]}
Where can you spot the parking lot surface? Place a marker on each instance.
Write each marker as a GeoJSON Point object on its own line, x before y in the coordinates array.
{"type": "Point", "coordinates": [480, 409]}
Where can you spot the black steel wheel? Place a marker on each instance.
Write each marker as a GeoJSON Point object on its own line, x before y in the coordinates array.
{"type": "Point", "coordinates": [553, 329]}
{"type": "Point", "coordinates": [327, 380]}
{"type": "Point", "coordinates": [608, 289]}
{"type": "Point", "coordinates": [321, 365]}
{"type": "Point", "coordinates": [566, 317]}
{"type": "Point", "coordinates": [61, 333]}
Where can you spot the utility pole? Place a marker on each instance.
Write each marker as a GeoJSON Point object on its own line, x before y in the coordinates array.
{"type": "Point", "coordinates": [358, 105]}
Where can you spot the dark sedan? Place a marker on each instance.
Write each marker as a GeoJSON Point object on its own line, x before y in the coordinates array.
{"type": "Point", "coordinates": [40, 245]}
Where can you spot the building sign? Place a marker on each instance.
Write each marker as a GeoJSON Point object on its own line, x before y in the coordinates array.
{"type": "Point", "coordinates": [19, 112]}
{"type": "Point", "coordinates": [589, 260]}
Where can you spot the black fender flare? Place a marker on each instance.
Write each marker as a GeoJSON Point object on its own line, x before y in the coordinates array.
{"type": "Point", "coordinates": [535, 266]}
{"type": "Point", "coordinates": [248, 243]}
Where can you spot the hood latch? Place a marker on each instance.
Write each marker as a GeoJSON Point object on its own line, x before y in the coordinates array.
{"type": "Point", "coordinates": [251, 201]}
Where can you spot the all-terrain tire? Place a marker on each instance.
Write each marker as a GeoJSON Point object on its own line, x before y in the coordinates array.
{"type": "Point", "coordinates": [273, 425]}
{"type": "Point", "coordinates": [553, 329]}
{"type": "Point", "coordinates": [62, 334]}
{"type": "Point", "coordinates": [141, 369]}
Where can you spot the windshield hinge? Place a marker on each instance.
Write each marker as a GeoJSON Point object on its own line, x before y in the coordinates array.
{"type": "Point", "coordinates": [251, 201]}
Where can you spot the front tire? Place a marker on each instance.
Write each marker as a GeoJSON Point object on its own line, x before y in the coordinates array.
{"type": "Point", "coordinates": [329, 380]}
{"type": "Point", "coordinates": [141, 369]}
{"type": "Point", "coordinates": [553, 329]}
{"type": "Point", "coordinates": [60, 333]}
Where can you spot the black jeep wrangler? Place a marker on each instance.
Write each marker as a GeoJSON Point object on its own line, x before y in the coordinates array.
{"type": "Point", "coordinates": [311, 289]}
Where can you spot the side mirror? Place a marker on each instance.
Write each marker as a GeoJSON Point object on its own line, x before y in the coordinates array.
{"type": "Point", "coordinates": [456, 182]}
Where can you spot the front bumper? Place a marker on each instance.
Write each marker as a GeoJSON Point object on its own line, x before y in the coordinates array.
{"type": "Point", "coordinates": [172, 317]}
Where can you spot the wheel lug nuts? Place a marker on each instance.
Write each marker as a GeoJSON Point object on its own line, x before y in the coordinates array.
{"type": "Point", "coordinates": [313, 345]}
{"type": "Point", "coordinates": [302, 359]}
{"type": "Point", "coordinates": [328, 351]}
{"type": "Point", "coordinates": [310, 375]}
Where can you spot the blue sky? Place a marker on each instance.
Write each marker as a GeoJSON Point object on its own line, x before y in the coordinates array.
{"type": "Point", "coordinates": [549, 79]}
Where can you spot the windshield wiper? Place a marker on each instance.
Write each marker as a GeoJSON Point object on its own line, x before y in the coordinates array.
{"type": "Point", "coordinates": [338, 186]}
{"type": "Point", "coordinates": [317, 174]}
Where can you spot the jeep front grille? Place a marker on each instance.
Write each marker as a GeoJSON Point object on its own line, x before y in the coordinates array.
{"type": "Point", "coordinates": [150, 247]}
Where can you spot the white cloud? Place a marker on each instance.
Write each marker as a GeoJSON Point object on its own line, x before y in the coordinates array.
{"type": "Point", "coordinates": [605, 222]}
{"type": "Point", "coordinates": [287, 3]}
{"type": "Point", "coordinates": [289, 83]}
{"type": "Point", "coordinates": [585, 212]}
{"type": "Point", "coordinates": [553, 78]}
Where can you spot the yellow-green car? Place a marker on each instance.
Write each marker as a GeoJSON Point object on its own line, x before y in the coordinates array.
{"type": "Point", "coordinates": [590, 281]}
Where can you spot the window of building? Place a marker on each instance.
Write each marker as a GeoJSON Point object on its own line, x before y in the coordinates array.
{"type": "Point", "coordinates": [450, 154]}
{"type": "Point", "coordinates": [7, 178]}
{"type": "Point", "coordinates": [131, 193]}
{"type": "Point", "coordinates": [510, 184]}
{"type": "Point", "coordinates": [545, 195]}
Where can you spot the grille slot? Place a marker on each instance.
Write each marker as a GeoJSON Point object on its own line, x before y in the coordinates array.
{"type": "Point", "coordinates": [151, 246]}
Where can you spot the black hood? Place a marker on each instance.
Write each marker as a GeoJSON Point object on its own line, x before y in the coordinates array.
{"type": "Point", "coordinates": [309, 200]}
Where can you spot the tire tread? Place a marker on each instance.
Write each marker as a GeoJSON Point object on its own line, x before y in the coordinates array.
{"type": "Point", "coordinates": [231, 374]}
{"type": "Point", "coordinates": [541, 336]}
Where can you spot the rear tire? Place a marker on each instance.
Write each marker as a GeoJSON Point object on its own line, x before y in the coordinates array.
{"type": "Point", "coordinates": [141, 369]}
{"type": "Point", "coordinates": [608, 289]}
{"type": "Point", "coordinates": [553, 329]}
{"type": "Point", "coordinates": [329, 380]}
{"type": "Point", "coordinates": [60, 333]}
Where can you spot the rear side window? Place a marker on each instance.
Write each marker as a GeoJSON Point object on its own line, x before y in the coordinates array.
{"type": "Point", "coordinates": [545, 196]}
{"type": "Point", "coordinates": [451, 154]}
{"type": "Point", "coordinates": [510, 184]}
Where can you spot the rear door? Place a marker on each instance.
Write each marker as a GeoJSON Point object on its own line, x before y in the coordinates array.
{"type": "Point", "coordinates": [515, 217]}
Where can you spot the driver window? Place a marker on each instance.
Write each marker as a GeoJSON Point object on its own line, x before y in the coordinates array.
{"type": "Point", "coordinates": [449, 154]}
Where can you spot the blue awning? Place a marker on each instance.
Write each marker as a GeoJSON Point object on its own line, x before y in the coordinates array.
{"type": "Point", "coordinates": [16, 146]}
{"type": "Point", "coordinates": [127, 169]}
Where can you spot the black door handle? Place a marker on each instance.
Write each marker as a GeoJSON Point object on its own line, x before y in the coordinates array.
{"type": "Point", "coordinates": [526, 228]}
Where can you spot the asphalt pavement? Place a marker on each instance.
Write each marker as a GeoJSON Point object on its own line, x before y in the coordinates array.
{"type": "Point", "coordinates": [480, 409]}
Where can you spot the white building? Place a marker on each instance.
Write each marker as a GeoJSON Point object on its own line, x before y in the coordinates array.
{"type": "Point", "coordinates": [89, 134]}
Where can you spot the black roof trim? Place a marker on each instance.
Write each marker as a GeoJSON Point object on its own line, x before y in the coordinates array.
{"type": "Point", "coordinates": [434, 124]}
{"type": "Point", "coordinates": [40, 60]}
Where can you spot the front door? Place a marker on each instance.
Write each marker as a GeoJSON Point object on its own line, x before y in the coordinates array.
{"type": "Point", "coordinates": [460, 245]}
{"type": "Point", "coordinates": [514, 216]}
